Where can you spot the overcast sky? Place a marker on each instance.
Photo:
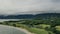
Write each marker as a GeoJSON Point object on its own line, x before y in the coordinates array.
{"type": "Point", "coordinates": [8, 7]}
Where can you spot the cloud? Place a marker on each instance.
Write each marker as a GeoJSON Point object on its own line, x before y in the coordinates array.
{"type": "Point", "coordinates": [27, 6]}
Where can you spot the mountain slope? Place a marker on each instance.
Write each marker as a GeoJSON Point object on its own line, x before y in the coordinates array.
{"type": "Point", "coordinates": [30, 16]}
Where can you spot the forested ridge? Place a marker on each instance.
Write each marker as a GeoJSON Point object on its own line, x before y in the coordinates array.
{"type": "Point", "coordinates": [30, 16]}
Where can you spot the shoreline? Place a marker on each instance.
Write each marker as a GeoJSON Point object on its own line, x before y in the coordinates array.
{"type": "Point", "coordinates": [21, 29]}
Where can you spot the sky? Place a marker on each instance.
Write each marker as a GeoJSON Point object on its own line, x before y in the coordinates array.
{"type": "Point", "coordinates": [11, 7]}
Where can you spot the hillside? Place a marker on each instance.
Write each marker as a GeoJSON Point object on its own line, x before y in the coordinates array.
{"type": "Point", "coordinates": [30, 16]}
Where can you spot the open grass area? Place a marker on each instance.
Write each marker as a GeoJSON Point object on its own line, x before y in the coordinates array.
{"type": "Point", "coordinates": [38, 31]}
{"type": "Point", "coordinates": [44, 26]}
{"type": "Point", "coordinates": [58, 28]}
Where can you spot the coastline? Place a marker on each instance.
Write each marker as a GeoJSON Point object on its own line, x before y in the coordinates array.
{"type": "Point", "coordinates": [21, 29]}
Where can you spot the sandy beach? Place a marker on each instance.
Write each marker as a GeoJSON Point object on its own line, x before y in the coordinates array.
{"type": "Point", "coordinates": [21, 29]}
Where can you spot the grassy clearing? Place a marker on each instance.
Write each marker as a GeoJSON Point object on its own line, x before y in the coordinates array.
{"type": "Point", "coordinates": [38, 31]}
{"type": "Point", "coordinates": [44, 26]}
{"type": "Point", "coordinates": [58, 28]}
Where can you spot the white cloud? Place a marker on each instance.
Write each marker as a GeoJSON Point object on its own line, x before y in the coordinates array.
{"type": "Point", "coordinates": [24, 6]}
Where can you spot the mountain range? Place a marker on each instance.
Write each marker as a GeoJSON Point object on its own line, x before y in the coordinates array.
{"type": "Point", "coordinates": [30, 16]}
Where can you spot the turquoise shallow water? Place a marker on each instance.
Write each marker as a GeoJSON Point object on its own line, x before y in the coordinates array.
{"type": "Point", "coordinates": [9, 30]}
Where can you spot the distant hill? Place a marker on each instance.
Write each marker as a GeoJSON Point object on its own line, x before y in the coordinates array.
{"type": "Point", "coordinates": [26, 16]}
{"type": "Point", "coordinates": [47, 15]}
{"type": "Point", "coordinates": [30, 16]}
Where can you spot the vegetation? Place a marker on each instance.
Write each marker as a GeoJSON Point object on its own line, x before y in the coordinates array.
{"type": "Point", "coordinates": [38, 26]}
